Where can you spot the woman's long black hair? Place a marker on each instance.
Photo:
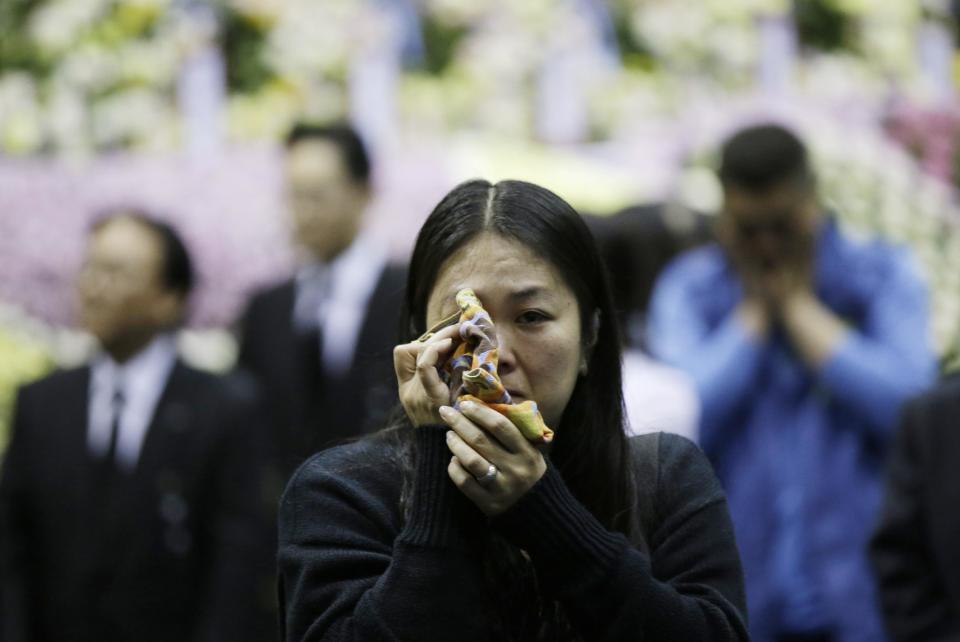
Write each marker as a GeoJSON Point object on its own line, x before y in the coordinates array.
{"type": "Point", "coordinates": [590, 448]}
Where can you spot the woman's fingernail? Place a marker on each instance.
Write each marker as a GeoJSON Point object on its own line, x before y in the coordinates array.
{"type": "Point", "coordinates": [449, 435]}
{"type": "Point", "coordinates": [467, 405]}
{"type": "Point", "coordinates": [446, 411]}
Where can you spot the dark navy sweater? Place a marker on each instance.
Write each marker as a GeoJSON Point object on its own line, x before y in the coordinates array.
{"type": "Point", "coordinates": [353, 568]}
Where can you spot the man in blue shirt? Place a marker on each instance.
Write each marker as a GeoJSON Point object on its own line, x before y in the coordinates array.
{"type": "Point", "coordinates": [803, 346]}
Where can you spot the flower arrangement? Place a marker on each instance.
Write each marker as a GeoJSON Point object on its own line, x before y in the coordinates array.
{"type": "Point", "coordinates": [79, 75]}
{"type": "Point", "coordinates": [24, 360]}
{"type": "Point", "coordinates": [82, 76]}
{"type": "Point", "coordinates": [931, 135]}
{"type": "Point", "coordinates": [628, 83]}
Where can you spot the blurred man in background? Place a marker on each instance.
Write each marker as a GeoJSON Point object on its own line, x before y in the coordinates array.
{"type": "Point", "coordinates": [803, 345]}
{"type": "Point", "coordinates": [129, 494]}
{"type": "Point", "coordinates": [916, 548]}
{"type": "Point", "coordinates": [322, 341]}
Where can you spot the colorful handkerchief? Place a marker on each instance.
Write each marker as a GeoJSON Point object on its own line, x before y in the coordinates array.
{"type": "Point", "coordinates": [472, 370]}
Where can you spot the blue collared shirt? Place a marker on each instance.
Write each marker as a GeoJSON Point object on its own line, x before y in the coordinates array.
{"type": "Point", "coordinates": [799, 450]}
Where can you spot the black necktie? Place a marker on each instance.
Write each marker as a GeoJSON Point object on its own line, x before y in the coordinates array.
{"type": "Point", "coordinates": [116, 410]}
{"type": "Point", "coordinates": [309, 348]}
{"type": "Point", "coordinates": [310, 332]}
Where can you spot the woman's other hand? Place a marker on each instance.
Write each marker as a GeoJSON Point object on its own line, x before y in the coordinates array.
{"type": "Point", "coordinates": [416, 364]}
{"type": "Point", "coordinates": [480, 436]}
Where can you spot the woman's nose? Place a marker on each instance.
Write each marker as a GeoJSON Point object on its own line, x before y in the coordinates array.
{"type": "Point", "coordinates": [507, 359]}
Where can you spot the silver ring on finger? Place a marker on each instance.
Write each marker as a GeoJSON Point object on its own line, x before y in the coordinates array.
{"type": "Point", "coordinates": [488, 477]}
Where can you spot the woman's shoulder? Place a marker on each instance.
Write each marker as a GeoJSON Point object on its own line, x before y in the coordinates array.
{"type": "Point", "coordinates": [376, 454]}
{"type": "Point", "coordinates": [670, 451]}
{"type": "Point", "coordinates": [367, 472]}
{"type": "Point", "coordinates": [673, 474]}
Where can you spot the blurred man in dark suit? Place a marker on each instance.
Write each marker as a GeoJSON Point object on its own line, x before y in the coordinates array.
{"type": "Point", "coordinates": [129, 506]}
{"type": "Point", "coordinates": [322, 341]}
{"type": "Point", "coordinates": [916, 547]}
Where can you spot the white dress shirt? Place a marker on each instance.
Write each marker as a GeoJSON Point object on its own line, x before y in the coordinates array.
{"type": "Point", "coordinates": [334, 297]}
{"type": "Point", "coordinates": [141, 381]}
{"type": "Point", "coordinates": [658, 397]}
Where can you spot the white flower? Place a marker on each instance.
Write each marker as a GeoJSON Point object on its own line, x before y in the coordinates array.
{"type": "Point", "coordinates": [889, 42]}
{"type": "Point", "coordinates": [150, 62]}
{"type": "Point", "coordinates": [21, 128]}
{"type": "Point", "coordinates": [311, 39]}
{"type": "Point", "coordinates": [18, 92]}
{"type": "Point", "coordinates": [90, 68]}
{"type": "Point", "coordinates": [211, 349]}
{"type": "Point", "coordinates": [699, 189]}
{"type": "Point", "coordinates": [156, 6]}
{"type": "Point", "coordinates": [129, 117]}
{"type": "Point", "coordinates": [67, 117]}
{"type": "Point", "coordinates": [269, 113]}
{"type": "Point", "coordinates": [57, 25]}
{"type": "Point", "coordinates": [455, 13]}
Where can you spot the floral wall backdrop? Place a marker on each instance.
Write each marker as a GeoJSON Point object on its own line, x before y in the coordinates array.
{"type": "Point", "coordinates": [26, 356]}
{"type": "Point", "coordinates": [178, 105]}
{"type": "Point", "coordinates": [78, 76]}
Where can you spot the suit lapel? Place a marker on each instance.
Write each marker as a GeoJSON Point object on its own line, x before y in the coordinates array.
{"type": "Point", "coordinates": [172, 418]}
{"type": "Point", "coordinates": [74, 421]}
{"type": "Point", "coordinates": [304, 386]}
{"type": "Point", "coordinates": [73, 464]}
{"type": "Point", "coordinates": [379, 325]}
{"type": "Point", "coordinates": [940, 432]}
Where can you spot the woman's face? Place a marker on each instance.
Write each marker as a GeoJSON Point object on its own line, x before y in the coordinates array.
{"type": "Point", "coordinates": [535, 312]}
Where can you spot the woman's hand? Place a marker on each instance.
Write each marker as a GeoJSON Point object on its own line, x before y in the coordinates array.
{"type": "Point", "coordinates": [421, 390]}
{"type": "Point", "coordinates": [480, 437]}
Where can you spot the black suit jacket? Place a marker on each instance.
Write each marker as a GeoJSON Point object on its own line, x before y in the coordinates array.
{"type": "Point", "coordinates": [309, 417]}
{"type": "Point", "coordinates": [187, 556]}
{"type": "Point", "coordinates": [916, 548]}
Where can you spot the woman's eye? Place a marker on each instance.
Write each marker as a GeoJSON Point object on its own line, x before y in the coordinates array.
{"type": "Point", "coordinates": [532, 317]}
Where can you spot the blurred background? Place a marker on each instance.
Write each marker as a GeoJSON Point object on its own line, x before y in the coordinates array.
{"type": "Point", "coordinates": [180, 106]}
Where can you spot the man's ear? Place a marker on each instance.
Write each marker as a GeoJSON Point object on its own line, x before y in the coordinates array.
{"type": "Point", "coordinates": [170, 310]}
{"type": "Point", "coordinates": [591, 335]}
{"type": "Point", "coordinates": [362, 194]}
{"type": "Point", "coordinates": [813, 212]}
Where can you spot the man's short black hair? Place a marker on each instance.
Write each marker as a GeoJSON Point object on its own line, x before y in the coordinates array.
{"type": "Point", "coordinates": [764, 156]}
{"type": "Point", "coordinates": [347, 140]}
{"type": "Point", "coordinates": [177, 272]}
